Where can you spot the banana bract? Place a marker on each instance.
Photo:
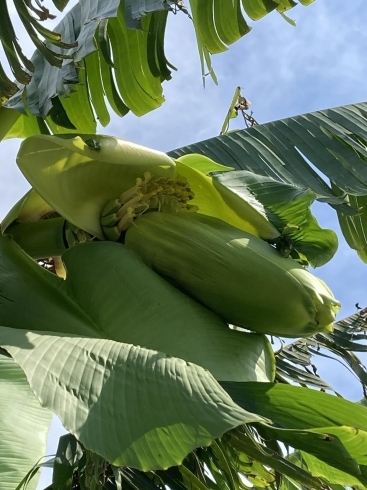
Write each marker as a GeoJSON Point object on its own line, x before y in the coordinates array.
{"type": "Point", "coordinates": [235, 274]}
{"type": "Point", "coordinates": [78, 175]}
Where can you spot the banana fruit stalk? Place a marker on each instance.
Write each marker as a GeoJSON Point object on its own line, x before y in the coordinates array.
{"type": "Point", "coordinates": [235, 274]}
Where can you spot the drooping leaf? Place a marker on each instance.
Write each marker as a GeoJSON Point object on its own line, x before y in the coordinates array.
{"type": "Point", "coordinates": [75, 82]}
{"type": "Point", "coordinates": [212, 201]}
{"type": "Point", "coordinates": [23, 426]}
{"type": "Point", "coordinates": [294, 407]}
{"type": "Point", "coordinates": [135, 407]}
{"type": "Point", "coordinates": [354, 227]}
{"type": "Point", "coordinates": [136, 306]}
{"type": "Point", "coordinates": [70, 323]}
{"type": "Point", "coordinates": [304, 377]}
{"type": "Point", "coordinates": [331, 474]}
{"type": "Point", "coordinates": [335, 478]}
{"type": "Point", "coordinates": [68, 455]}
{"type": "Point", "coordinates": [340, 447]}
{"type": "Point", "coordinates": [20, 65]}
{"type": "Point", "coordinates": [271, 459]}
{"type": "Point", "coordinates": [299, 409]}
{"type": "Point", "coordinates": [296, 361]}
{"type": "Point", "coordinates": [131, 36]}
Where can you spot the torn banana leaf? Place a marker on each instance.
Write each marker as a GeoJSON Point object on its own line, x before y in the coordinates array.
{"type": "Point", "coordinates": [131, 391]}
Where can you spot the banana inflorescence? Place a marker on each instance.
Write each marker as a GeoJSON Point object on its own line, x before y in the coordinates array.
{"type": "Point", "coordinates": [225, 252]}
{"type": "Point", "coordinates": [235, 274]}
{"type": "Point", "coordinates": [153, 194]}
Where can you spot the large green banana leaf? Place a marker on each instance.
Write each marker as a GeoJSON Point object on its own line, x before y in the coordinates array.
{"type": "Point", "coordinates": [23, 426]}
{"type": "Point", "coordinates": [332, 140]}
{"type": "Point", "coordinates": [111, 351]}
{"type": "Point", "coordinates": [70, 79]}
{"type": "Point", "coordinates": [133, 406]}
{"type": "Point", "coordinates": [297, 411]}
{"type": "Point", "coordinates": [337, 479]}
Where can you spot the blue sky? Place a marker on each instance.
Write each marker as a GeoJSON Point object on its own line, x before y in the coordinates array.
{"type": "Point", "coordinates": [284, 71]}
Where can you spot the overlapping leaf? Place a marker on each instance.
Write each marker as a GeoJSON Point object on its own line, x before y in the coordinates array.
{"type": "Point", "coordinates": [21, 67]}
{"type": "Point", "coordinates": [270, 457]}
{"type": "Point", "coordinates": [218, 202]}
{"type": "Point", "coordinates": [331, 474]}
{"type": "Point", "coordinates": [295, 407]}
{"type": "Point", "coordinates": [135, 306]}
{"type": "Point", "coordinates": [299, 414]}
{"type": "Point", "coordinates": [219, 23]}
{"type": "Point", "coordinates": [157, 404]}
{"type": "Point", "coordinates": [127, 71]}
{"type": "Point", "coordinates": [336, 479]}
{"type": "Point", "coordinates": [133, 406]}
{"type": "Point", "coordinates": [332, 140]}
{"type": "Point", "coordinates": [130, 65]}
{"type": "Point", "coordinates": [23, 426]}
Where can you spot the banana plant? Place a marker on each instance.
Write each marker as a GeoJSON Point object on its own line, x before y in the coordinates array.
{"type": "Point", "coordinates": [116, 312]}
{"type": "Point", "coordinates": [135, 355]}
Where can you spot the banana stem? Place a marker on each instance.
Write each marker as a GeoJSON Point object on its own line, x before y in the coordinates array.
{"type": "Point", "coordinates": [40, 239]}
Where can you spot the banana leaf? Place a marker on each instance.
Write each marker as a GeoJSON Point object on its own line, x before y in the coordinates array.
{"type": "Point", "coordinates": [287, 207]}
{"type": "Point", "coordinates": [111, 51]}
{"type": "Point", "coordinates": [24, 426]}
{"type": "Point", "coordinates": [297, 411]}
{"type": "Point", "coordinates": [115, 361]}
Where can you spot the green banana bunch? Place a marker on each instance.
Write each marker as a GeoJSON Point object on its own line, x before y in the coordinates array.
{"type": "Point", "coordinates": [235, 274]}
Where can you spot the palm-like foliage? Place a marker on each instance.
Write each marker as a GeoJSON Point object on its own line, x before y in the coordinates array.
{"type": "Point", "coordinates": [72, 82]}
{"type": "Point", "coordinates": [20, 65]}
